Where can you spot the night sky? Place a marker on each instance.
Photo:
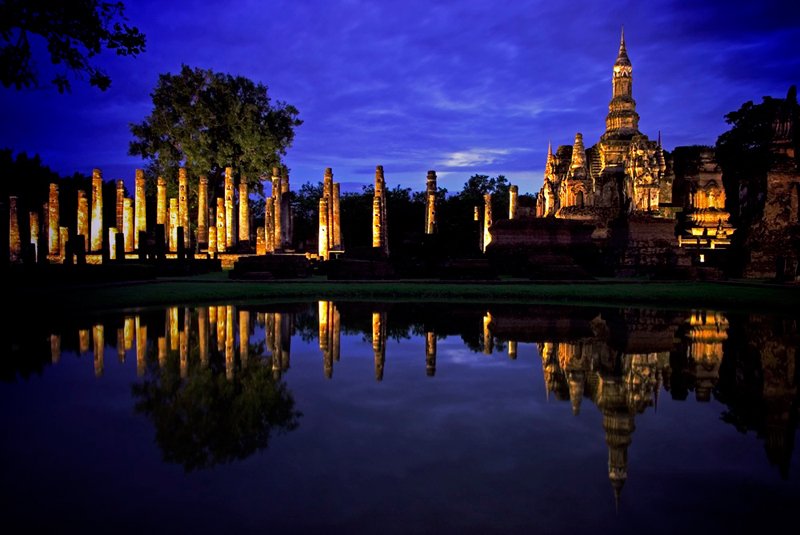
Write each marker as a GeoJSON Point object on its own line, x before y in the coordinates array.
{"type": "Point", "coordinates": [462, 86]}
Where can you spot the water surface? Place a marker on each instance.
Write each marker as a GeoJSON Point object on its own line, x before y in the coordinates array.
{"type": "Point", "coordinates": [364, 417]}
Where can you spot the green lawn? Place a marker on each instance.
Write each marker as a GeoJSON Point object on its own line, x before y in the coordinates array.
{"type": "Point", "coordinates": [215, 288]}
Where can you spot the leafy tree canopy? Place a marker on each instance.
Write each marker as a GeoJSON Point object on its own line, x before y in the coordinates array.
{"type": "Point", "coordinates": [207, 121]}
{"type": "Point", "coordinates": [74, 32]}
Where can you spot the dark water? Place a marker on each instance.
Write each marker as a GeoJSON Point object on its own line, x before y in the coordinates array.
{"type": "Point", "coordinates": [353, 417]}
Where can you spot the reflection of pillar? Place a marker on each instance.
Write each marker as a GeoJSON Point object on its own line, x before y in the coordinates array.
{"type": "Point", "coordinates": [487, 334]}
{"type": "Point", "coordinates": [121, 344]}
{"type": "Point", "coordinates": [430, 202]}
{"type": "Point", "coordinates": [127, 225]}
{"type": "Point", "coordinates": [183, 207]}
{"type": "Point", "coordinates": [512, 350]}
{"type": "Point", "coordinates": [324, 227]}
{"type": "Point", "coordinates": [161, 202]}
{"type": "Point", "coordinates": [487, 220]}
{"type": "Point", "coordinates": [120, 204]}
{"type": "Point", "coordinates": [14, 244]}
{"type": "Point", "coordinates": [286, 326]}
{"type": "Point", "coordinates": [141, 347]}
{"type": "Point", "coordinates": [202, 211]}
{"type": "Point", "coordinates": [202, 335]}
{"type": "Point", "coordinates": [277, 209]}
{"type": "Point", "coordinates": [97, 210]}
{"type": "Point", "coordinates": [173, 224]}
{"type": "Point", "coordinates": [183, 338]}
{"type": "Point", "coordinates": [99, 343]}
{"type": "Point", "coordinates": [52, 221]}
{"type": "Point", "coordinates": [244, 212]}
{"type": "Point", "coordinates": [212, 324]}
{"type": "Point", "coordinates": [324, 328]}
{"type": "Point", "coordinates": [140, 207]}
{"type": "Point", "coordinates": [128, 327]}
{"type": "Point", "coordinates": [221, 232]}
{"type": "Point", "coordinates": [269, 225]}
{"type": "Point", "coordinates": [34, 228]}
{"type": "Point", "coordinates": [336, 217]}
{"type": "Point", "coordinates": [244, 336]}
{"type": "Point", "coordinates": [83, 341]}
{"type": "Point", "coordinates": [83, 218]}
{"type": "Point", "coordinates": [336, 329]}
{"type": "Point", "coordinates": [172, 328]}
{"type": "Point", "coordinates": [162, 351]}
{"type": "Point", "coordinates": [229, 237]}
{"type": "Point", "coordinates": [229, 354]}
{"type": "Point", "coordinates": [430, 354]}
{"type": "Point", "coordinates": [379, 342]}
{"type": "Point", "coordinates": [221, 322]}
{"type": "Point", "coordinates": [55, 348]}
{"type": "Point", "coordinates": [513, 192]}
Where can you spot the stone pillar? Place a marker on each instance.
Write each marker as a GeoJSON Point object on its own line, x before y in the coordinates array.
{"type": "Point", "coordinates": [202, 211]}
{"type": "Point", "coordinates": [513, 193]}
{"type": "Point", "coordinates": [380, 227]}
{"type": "Point", "coordinates": [127, 225]}
{"type": "Point", "coordinates": [487, 220]}
{"type": "Point", "coordinates": [244, 212]}
{"type": "Point", "coordinates": [120, 204]}
{"type": "Point", "coordinates": [52, 221]}
{"type": "Point", "coordinates": [14, 244]}
{"type": "Point", "coordinates": [277, 209]}
{"type": "Point", "coordinates": [430, 354]}
{"type": "Point", "coordinates": [97, 210]}
{"type": "Point", "coordinates": [376, 222]}
{"type": "Point", "coordinates": [34, 228]}
{"type": "Point", "coordinates": [212, 239]}
{"type": "Point", "coordinates": [286, 210]}
{"type": "Point", "coordinates": [83, 218]}
{"type": "Point", "coordinates": [261, 246]}
{"type": "Point", "coordinates": [221, 234]}
{"type": "Point", "coordinates": [183, 206]}
{"type": "Point", "coordinates": [112, 243]}
{"type": "Point", "coordinates": [336, 218]}
{"type": "Point", "coordinates": [173, 224]}
{"type": "Point", "coordinates": [63, 238]}
{"type": "Point", "coordinates": [430, 202]}
{"type": "Point", "coordinates": [324, 252]}
{"type": "Point", "coordinates": [269, 225]}
{"type": "Point", "coordinates": [161, 202]}
{"type": "Point", "coordinates": [229, 236]}
{"type": "Point", "coordinates": [140, 204]}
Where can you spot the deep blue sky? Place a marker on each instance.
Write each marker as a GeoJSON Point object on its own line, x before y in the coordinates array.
{"type": "Point", "coordinates": [461, 86]}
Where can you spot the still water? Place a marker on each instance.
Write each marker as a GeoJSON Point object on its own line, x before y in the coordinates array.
{"type": "Point", "coordinates": [363, 417]}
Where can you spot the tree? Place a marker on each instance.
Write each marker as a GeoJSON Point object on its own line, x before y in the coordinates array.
{"type": "Point", "coordinates": [74, 31]}
{"type": "Point", "coordinates": [207, 121]}
{"type": "Point", "coordinates": [744, 153]}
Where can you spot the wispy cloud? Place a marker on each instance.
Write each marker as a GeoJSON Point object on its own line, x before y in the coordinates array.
{"type": "Point", "coordinates": [473, 157]}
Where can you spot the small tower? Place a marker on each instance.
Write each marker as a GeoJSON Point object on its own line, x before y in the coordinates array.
{"type": "Point", "coordinates": [622, 118]}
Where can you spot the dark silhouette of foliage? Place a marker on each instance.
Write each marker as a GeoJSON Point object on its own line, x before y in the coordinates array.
{"type": "Point", "coordinates": [208, 419]}
{"type": "Point", "coordinates": [206, 121]}
{"type": "Point", "coordinates": [74, 32]}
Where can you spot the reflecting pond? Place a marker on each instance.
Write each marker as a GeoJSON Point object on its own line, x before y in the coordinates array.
{"type": "Point", "coordinates": [354, 417]}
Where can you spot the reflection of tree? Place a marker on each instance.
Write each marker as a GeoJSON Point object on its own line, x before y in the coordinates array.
{"type": "Point", "coordinates": [207, 419]}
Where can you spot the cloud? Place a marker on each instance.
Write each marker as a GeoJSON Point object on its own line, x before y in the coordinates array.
{"type": "Point", "coordinates": [473, 157]}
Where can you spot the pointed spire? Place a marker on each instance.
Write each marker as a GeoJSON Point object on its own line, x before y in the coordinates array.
{"type": "Point", "coordinates": [622, 55]}
{"type": "Point", "coordinates": [659, 139]}
{"type": "Point", "coordinates": [578, 153]}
